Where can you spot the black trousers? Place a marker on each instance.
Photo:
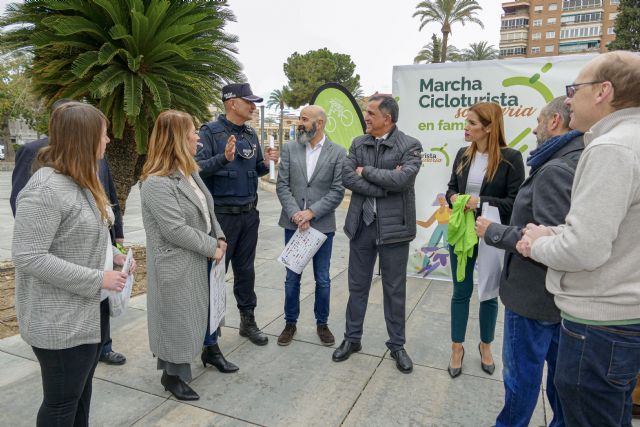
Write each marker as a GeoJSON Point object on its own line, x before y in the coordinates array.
{"type": "Point", "coordinates": [241, 232]}
{"type": "Point", "coordinates": [363, 251]}
{"type": "Point", "coordinates": [67, 377]}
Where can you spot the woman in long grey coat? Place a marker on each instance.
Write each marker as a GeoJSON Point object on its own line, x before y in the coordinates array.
{"type": "Point", "coordinates": [182, 233]}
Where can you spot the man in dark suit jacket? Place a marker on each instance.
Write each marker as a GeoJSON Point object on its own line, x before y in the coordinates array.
{"type": "Point", "coordinates": [21, 174]}
{"type": "Point", "coordinates": [310, 189]}
{"type": "Point", "coordinates": [532, 320]}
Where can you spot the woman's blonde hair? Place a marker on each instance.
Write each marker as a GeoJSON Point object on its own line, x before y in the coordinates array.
{"type": "Point", "coordinates": [75, 134]}
{"type": "Point", "coordinates": [490, 115]}
{"type": "Point", "coordinates": [168, 146]}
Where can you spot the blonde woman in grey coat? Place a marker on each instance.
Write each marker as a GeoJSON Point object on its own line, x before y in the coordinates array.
{"type": "Point", "coordinates": [182, 234]}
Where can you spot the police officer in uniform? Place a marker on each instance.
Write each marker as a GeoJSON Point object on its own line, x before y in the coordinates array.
{"type": "Point", "coordinates": [231, 161]}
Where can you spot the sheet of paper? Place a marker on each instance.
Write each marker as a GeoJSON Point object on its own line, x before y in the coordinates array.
{"type": "Point", "coordinates": [301, 248]}
{"type": "Point", "coordinates": [217, 295]}
{"type": "Point", "coordinates": [490, 260]}
{"type": "Point", "coordinates": [118, 301]}
{"type": "Point", "coordinates": [272, 164]}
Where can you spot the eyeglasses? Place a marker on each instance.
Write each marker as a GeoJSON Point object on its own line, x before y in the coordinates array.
{"type": "Point", "coordinates": [571, 89]}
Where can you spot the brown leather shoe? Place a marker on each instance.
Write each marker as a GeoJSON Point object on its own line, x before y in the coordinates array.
{"type": "Point", "coordinates": [287, 334]}
{"type": "Point", "coordinates": [326, 337]}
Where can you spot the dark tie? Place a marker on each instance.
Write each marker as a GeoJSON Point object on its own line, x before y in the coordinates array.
{"type": "Point", "coordinates": [368, 208]}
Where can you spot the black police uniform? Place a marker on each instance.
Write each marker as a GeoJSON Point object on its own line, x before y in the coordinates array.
{"type": "Point", "coordinates": [234, 188]}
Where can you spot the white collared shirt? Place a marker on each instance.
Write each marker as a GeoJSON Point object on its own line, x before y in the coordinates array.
{"type": "Point", "coordinates": [312, 157]}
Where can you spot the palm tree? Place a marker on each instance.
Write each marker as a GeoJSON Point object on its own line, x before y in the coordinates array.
{"type": "Point", "coordinates": [131, 58]}
{"type": "Point", "coordinates": [277, 100]}
{"type": "Point", "coordinates": [480, 51]}
{"type": "Point", "coordinates": [430, 52]}
{"type": "Point", "coordinates": [447, 13]}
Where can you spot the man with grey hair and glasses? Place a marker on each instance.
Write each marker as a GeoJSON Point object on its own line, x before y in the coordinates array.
{"type": "Point", "coordinates": [593, 257]}
{"type": "Point", "coordinates": [531, 318]}
{"type": "Point", "coordinates": [380, 170]}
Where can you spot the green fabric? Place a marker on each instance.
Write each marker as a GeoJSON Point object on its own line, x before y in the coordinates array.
{"type": "Point", "coordinates": [462, 234]}
{"type": "Point", "coordinates": [599, 322]}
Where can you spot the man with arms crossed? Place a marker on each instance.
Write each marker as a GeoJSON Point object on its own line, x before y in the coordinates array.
{"type": "Point", "coordinates": [380, 170]}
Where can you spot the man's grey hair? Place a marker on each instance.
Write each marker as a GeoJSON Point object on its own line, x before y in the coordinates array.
{"type": "Point", "coordinates": [558, 106]}
{"type": "Point", "coordinates": [322, 115]}
{"type": "Point", "coordinates": [387, 105]}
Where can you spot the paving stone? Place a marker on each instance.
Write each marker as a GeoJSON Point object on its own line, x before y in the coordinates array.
{"type": "Point", "coordinates": [428, 397]}
{"type": "Point", "coordinates": [130, 336]}
{"type": "Point", "coordinates": [275, 386]}
{"type": "Point", "coordinates": [21, 396]}
{"type": "Point", "coordinates": [430, 344]}
{"type": "Point", "coordinates": [172, 413]}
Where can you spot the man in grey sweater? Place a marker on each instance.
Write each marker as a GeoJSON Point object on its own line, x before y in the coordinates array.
{"type": "Point", "coordinates": [593, 257]}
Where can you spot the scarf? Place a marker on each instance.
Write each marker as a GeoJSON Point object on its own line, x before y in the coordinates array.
{"type": "Point", "coordinates": [461, 234]}
{"type": "Point", "coordinates": [543, 153]}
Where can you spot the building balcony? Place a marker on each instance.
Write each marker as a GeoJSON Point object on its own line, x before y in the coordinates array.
{"type": "Point", "coordinates": [507, 7]}
{"type": "Point", "coordinates": [517, 27]}
{"type": "Point", "coordinates": [519, 40]}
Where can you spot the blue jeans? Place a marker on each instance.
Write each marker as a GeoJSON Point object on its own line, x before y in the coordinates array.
{"type": "Point", "coordinates": [527, 344]}
{"type": "Point", "coordinates": [321, 263]}
{"type": "Point", "coordinates": [210, 338]}
{"type": "Point", "coordinates": [461, 298]}
{"type": "Point", "coordinates": [596, 373]}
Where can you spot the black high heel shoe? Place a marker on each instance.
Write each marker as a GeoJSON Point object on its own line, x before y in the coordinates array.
{"type": "Point", "coordinates": [454, 372]}
{"type": "Point", "coordinates": [212, 355]}
{"type": "Point", "coordinates": [177, 387]}
{"type": "Point", "coordinates": [489, 369]}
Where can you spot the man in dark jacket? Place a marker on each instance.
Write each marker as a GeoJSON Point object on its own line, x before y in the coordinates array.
{"type": "Point", "coordinates": [380, 170]}
{"type": "Point", "coordinates": [21, 174]}
{"type": "Point", "coordinates": [532, 320]}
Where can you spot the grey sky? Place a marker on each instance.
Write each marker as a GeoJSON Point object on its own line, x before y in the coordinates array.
{"type": "Point", "coordinates": [377, 34]}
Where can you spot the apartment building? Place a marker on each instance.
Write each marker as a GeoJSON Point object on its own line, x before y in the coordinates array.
{"type": "Point", "coordinates": [556, 27]}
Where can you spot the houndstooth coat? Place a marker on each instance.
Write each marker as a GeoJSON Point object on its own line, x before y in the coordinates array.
{"type": "Point", "coordinates": [59, 249]}
{"type": "Point", "coordinates": [177, 251]}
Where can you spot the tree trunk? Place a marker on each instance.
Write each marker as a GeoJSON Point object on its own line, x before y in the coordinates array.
{"type": "Point", "coordinates": [125, 164]}
{"type": "Point", "coordinates": [446, 29]}
{"type": "Point", "coordinates": [5, 139]}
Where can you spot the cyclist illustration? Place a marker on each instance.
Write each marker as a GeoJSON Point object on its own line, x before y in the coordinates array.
{"type": "Point", "coordinates": [337, 109]}
{"type": "Point", "coordinates": [441, 215]}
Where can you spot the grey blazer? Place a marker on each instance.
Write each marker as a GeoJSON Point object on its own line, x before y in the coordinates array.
{"type": "Point", "coordinates": [59, 249]}
{"type": "Point", "coordinates": [177, 251]}
{"type": "Point", "coordinates": [322, 192]}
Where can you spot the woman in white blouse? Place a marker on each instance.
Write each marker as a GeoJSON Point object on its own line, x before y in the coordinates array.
{"type": "Point", "coordinates": [64, 261]}
{"type": "Point", "coordinates": [182, 234]}
{"type": "Point", "coordinates": [489, 172]}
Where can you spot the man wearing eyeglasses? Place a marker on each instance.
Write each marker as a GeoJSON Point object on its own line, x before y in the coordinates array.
{"type": "Point", "coordinates": [231, 161]}
{"type": "Point", "coordinates": [593, 258]}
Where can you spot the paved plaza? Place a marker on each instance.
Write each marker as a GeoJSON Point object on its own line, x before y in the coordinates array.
{"type": "Point", "coordinates": [297, 385]}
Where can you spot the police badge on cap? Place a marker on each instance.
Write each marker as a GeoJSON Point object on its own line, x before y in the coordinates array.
{"type": "Point", "coordinates": [239, 90]}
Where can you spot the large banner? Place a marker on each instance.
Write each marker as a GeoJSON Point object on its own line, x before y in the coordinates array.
{"type": "Point", "coordinates": [434, 100]}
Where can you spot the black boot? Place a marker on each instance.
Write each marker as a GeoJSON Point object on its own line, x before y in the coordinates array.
{"type": "Point", "coordinates": [212, 355]}
{"type": "Point", "coordinates": [249, 329]}
{"type": "Point", "coordinates": [177, 387]}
